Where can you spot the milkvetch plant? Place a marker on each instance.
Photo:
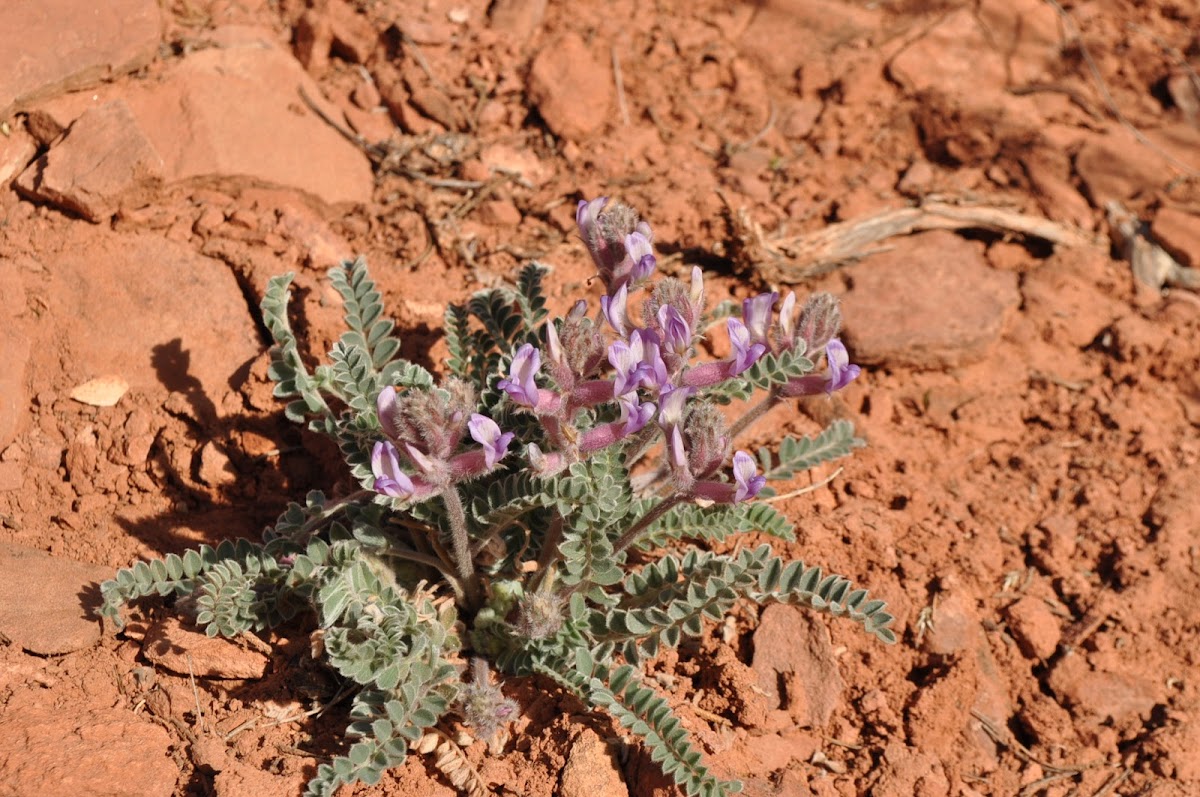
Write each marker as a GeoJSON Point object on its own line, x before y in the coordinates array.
{"type": "Point", "coordinates": [546, 507]}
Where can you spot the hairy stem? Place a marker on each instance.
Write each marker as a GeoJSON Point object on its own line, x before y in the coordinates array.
{"type": "Point", "coordinates": [460, 540]}
{"type": "Point", "coordinates": [754, 413]}
{"type": "Point", "coordinates": [548, 557]}
{"type": "Point", "coordinates": [430, 561]}
{"type": "Point", "coordinates": [633, 532]}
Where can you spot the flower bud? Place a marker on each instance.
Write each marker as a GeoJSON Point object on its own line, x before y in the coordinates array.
{"type": "Point", "coordinates": [706, 435]}
{"type": "Point", "coordinates": [819, 322]}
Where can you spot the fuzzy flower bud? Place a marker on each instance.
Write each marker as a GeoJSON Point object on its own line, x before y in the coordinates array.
{"type": "Point", "coordinates": [482, 705]}
{"type": "Point", "coordinates": [820, 320]}
{"type": "Point", "coordinates": [539, 615]}
{"type": "Point", "coordinates": [617, 240]}
{"type": "Point", "coordinates": [706, 435]}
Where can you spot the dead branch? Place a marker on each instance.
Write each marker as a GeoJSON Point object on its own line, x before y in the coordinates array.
{"type": "Point", "coordinates": [792, 260]}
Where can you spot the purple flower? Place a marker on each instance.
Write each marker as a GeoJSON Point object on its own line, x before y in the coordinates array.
{"type": "Point", "coordinates": [745, 352]}
{"type": "Point", "coordinates": [520, 384]}
{"type": "Point", "coordinates": [634, 416]}
{"type": "Point", "coordinates": [587, 214]}
{"type": "Point", "coordinates": [745, 474]}
{"type": "Point", "coordinates": [486, 432]}
{"type": "Point", "coordinates": [640, 255]}
{"type": "Point", "coordinates": [637, 362]}
{"type": "Point", "coordinates": [389, 479]}
{"type": "Point", "coordinates": [756, 313]}
{"type": "Point", "coordinates": [614, 308]}
{"type": "Point", "coordinates": [841, 371]}
{"type": "Point", "coordinates": [677, 335]}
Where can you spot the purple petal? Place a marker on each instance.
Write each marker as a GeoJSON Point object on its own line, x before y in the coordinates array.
{"type": "Point", "coordinates": [520, 384]}
{"type": "Point", "coordinates": [745, 353]}
{"type": "Point", "coordinates": [745, 474]}
{"type": "Point", "coordinates": [756, 313]}
{"type": "Point", "coordinates": [841, 371]}
{"type": "Point", "coordinates": [385, 466]}
{"type": "Point", "coordinates": [487, 433]}
{"type": "Point", "coordinates": [388, 412]}
{"type": "Point", "coordinates": [677, 335]}
{"type": "Point", "coordinates": [614, 308]}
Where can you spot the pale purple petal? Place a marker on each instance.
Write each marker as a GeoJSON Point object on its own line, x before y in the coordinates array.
{"type": "Point", "coordinates": [697, 291]}
{"type": "Point", "coordinates": [615, 310]}
{"type": "Point", "coordinates": [841, 371]}
{"type": "Point", "coordinates": [554, 345]}
{"type": "Point", "coordinates": [487, 433]}
{"type": "Point", "coordinates": [745, 474]}
{"type": "Point", "coordinates": [672, 402]}
{"type": "Point", "coordinates": [626, 362]}
{"type": "Point", "coordinates": [520, 384]}
{"type": "Point", "coordinates": [634, 416]}
{"type": "Point", "coordinates": [388, 412]}
{"type": "Point", "coordinates": [745, 353]}
{"type": "Point", "coordinates": [756, 313]}
{"type": "Point", "coordinates": [586, 214]}
{"type": "Point", "coordinates": [385, 466]}
{"type": "Point", "coordinates": [677, 335]}
{"type": "Point", "coordinates": [419, 458]}
{"type": "Point", "coordinates": [676, 453]}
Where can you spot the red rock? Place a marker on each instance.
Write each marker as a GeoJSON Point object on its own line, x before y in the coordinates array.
{"type": "Point", "coordinates": [955, 627]}
{"type": "Point", "coordinates": [16, 151]}
{"type": "Point", "coordinates": [1118, 166]}
{"type": "Point", "coordinates": [185, 651]}
{"type": "Point", "coordinates": [183, 319]}
{"type": "Point", "coordinates": [14, 342]}
{"type": "Point", "coordinates": [931, 301]}
{"type": "Point", "coordinates": [103, 158]}
{"type": "Point", "coordinates": [40, 605]}
{"type": "Point", "coordinates": [591, 770]}
{"type": "Point", "coordinates": [1179, 233]}
{"type": "Point", "coordinates": [1035, 627]}
{"type": "Point", "coordinates": [271, 137]}
{"type": "Point", "coordinates": [792, 647]}
{"type": "Point", "coordinates": [66, 751]}
{"type": "Point", "coordinates": [51, 46]}
{"type": "Point", "coordinates": [571, 89]}
{"type": "Point", "coordinates": [1000, 43]}
{"type": "Point", "coordinates": [517, 19]}
{"type": "Point", "coordinates": [1100, 695]}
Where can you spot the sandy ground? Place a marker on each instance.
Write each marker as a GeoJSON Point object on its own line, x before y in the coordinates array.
{"type": "Point", "coordinates": [1028, 499]}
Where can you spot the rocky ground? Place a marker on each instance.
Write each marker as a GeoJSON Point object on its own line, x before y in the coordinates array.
{"type": "Point", "coordinates": [972, 178]}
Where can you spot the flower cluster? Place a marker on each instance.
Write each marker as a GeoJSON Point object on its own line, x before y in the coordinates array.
{"type": "Point", "coordinates": [651, 375]}
{"type": "Point", "coordinates": [426, 428]}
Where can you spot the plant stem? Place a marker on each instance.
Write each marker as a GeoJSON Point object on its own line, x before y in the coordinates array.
{"type": "Point", "coordinates": [548, 556]}
{"type": "Point", "coordinates": [430, 561]}
{"type": "Point", "coordinates": [631, 534]}
{"type": "Point", "coordinates": [330, 511]}
{"type": "Point", "coordinates": [754, 413]}
{"type": "Point", "coordinates": [460, 540]}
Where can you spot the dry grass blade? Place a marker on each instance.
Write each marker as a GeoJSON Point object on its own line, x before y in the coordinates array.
{"type": "Point", "coordinates": [451, 761]}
